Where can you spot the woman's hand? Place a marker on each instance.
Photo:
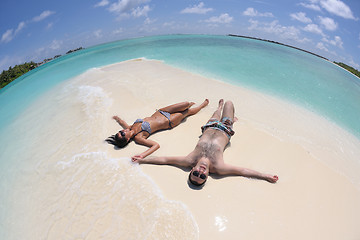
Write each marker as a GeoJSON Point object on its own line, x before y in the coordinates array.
{"type": "Point", "coordinates": [121, 122]}
{"type": "Point", "coordinates": [116, 118]}
{"type": "Point", "coordinates": [137, 158]}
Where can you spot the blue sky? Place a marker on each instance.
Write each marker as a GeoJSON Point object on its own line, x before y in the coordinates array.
{"type": "Point", "coordinates": [35, 30]}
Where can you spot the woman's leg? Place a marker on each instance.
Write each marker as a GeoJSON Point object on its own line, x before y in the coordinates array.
{"type": "Point", "coordinates": [178, 107]}
{"type": "Point", "coordinates": [177, 117]}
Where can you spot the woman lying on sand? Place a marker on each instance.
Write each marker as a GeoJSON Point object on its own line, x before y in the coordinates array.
{"type": "Point", "coordinates": [165, 118]}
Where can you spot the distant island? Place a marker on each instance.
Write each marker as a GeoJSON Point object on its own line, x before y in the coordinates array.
{"type": "Point", "coordinates": [265, 40]}
{"type": "Point", "coordinates": [350, 69]}
{"type": "Point", "coordinates": [13, 73]}
{"type": "Point", "coordinates": [343, 65]}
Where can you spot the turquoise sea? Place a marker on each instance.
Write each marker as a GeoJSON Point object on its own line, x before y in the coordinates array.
{"type": "Point", "coordinates": [288, 73]}
{"type": "Point", "coordinates": [47, 184]}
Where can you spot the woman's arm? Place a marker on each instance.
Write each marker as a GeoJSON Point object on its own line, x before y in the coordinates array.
{"type": "Point", "coordinates": [121, 122]}
{"type": "Point", "coordinates": [153, 146]}
{"type": "Point", "coordinates": [227, 169]}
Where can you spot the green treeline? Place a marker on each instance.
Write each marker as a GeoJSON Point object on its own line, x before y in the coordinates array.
{"type": "Point", "coordinates": [10, 75]}
{"type": "Point", "coordinates": [13, 73]}
{"type": "Point", "coordinates": [350, 69]}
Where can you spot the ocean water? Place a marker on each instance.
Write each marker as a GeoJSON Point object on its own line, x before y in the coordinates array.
{"type": "Point", "coordinates": [291, 74]}
{"type": "Point", "coordinates": [46, 112]}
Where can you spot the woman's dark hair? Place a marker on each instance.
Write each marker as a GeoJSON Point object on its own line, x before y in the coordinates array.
{"type": "Point", "coordinates": [195, 183]}
{"type": "Point", "coordinates": [117, 141]}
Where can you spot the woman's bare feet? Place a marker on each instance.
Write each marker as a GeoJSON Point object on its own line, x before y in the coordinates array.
{"type": "Point", "coordinates": [205, 103]}
{"type": "Point", "coordinates": [195, 110]}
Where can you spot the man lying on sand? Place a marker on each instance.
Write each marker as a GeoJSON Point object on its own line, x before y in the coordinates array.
{"type": "Point", "coordinates": [207, 157]}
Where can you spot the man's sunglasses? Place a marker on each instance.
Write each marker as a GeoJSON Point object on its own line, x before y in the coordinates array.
{"type": "Point", "coordinates": [196, 174]}
{"type": "Point", "coordinates": [122, 133]}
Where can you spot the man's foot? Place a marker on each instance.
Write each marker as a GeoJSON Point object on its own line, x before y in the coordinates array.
{"type": "Point", "coordinates": [221, 104]}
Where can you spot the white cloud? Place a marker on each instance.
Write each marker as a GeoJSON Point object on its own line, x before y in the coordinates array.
{"type": "Point", "coordinates": [313, 28]}
{"type": "Point", "coordinates": [20, 26]}
{"type": "Point", "coordinates": [321, 46]}
{"type": "Point", "coordinates": [7, 36]}
{"type": "Point", "coordinates": [336, 42]}
{"type": "Point", "coordinates": [7, 61]}
{"type": "Point", "coordinates": [124, 6]}
{"type": "Point", "coordinates": [128, 8]}
{"type": "Point", "coordinates": [50, 25]}
{"type": "Point", "coordinates": [311, 6]}
{"type": "Point", "coordinates": [118, 31]}
{"type": "Point", "coordinates": [197, 9]}
{"type": "Point", "coordinates": [338, 8]}
{"type": "Point", "coordinates": [169, 25]}
{"type": "Point", "coordinates": [149, 21]}
{"type": "Point", "coordinates": [140, 11]}
{"type": "Point", "coordinates": [251, 12]}
{"type": "Point", "coordinates": [98, 33]}
{"type": "Point", "coordinates": [43, 15]}
{"type": "Point", "coordinates": [328, 23]}
{"type": "Point", "coordinates": [300, 16]}
{"type": "Point", "coordinates": [10, 33]}
{"type": "Point", "coordinates": [55, 44]}
{"type": "Point", "coordinates": [102, 3]}
{"type": "Point", "coordinates": [353, 63]}
{"type": "Point", "coordinates": [223, 18]}
{"type": "Point", "coordinates": [284, 32]}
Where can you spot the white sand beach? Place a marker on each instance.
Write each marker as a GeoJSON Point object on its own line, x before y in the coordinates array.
{"type": "Point", "coordinates": [317, 195]}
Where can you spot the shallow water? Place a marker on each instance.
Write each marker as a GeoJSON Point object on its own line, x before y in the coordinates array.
{"type": "Point", "coordinates": [45, 117]}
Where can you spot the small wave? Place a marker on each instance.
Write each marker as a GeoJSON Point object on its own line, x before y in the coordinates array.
{"type": "Point", "coordinates": [94, 100]}
{"type": "Point", "coordinates": [90, 195]}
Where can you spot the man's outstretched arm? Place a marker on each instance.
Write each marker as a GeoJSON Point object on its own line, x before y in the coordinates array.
{"type": "Point", "coordinates": [231, 170]}
{"type": "Point", "coordinates": [179, 161]}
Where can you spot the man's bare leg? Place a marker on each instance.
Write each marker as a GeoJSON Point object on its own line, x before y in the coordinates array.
{"type": "Point", "coordinates": [217, 114]}
{"type": "Point", "coordinates": [228, 112]}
